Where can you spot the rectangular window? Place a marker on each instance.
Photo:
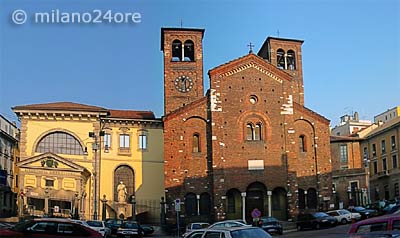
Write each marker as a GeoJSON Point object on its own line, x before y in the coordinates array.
{"type": "Point", "coordinates": [384, 164]}
{"type": "Point", "coordinates": [375, 167]}
{"type": "Point", "coordinates": [393, 142]}
{"type": "Point", "coordinates": [394, 161]}
{"type": "Point", "coordinates": [396, 190]}
{"type": "Point", "coordinates": [124, 141]}
{"type": "Point", "coordinates": [354, 185]}
{"type": "Point", "coordinates": [373, 150]}
{"type": "Point", "coordinates": [142, 142]}
{"type": "Point", "coordinates": [49, 183]}
{"type": "Point", "coordinates": [107, 141]}
{"type": "Point", "coordinates": [383, 146]}
{"type": "Point", "coordinates": [343, 153]}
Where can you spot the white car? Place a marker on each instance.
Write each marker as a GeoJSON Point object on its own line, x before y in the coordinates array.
{"type": "Point", "coordinates": [228, 223]}
{"type": "Point", "coordinates": [80, 222]}
{"type": "Point", "coordinates": [100, 226]}
{"type": "Point", "coordinates": [343, 216]}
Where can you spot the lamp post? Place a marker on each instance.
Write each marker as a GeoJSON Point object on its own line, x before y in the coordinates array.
{"type": "Point", "coordinates": [133, 201]}
{"type": "Point", "coordinates": [349, 197]}
{"type": "Point", "coordinates": [162, 211]}
{"type": "Point", "coordinates": [104, 202]}
{"type": "Point", "coordinates": [96, 146]}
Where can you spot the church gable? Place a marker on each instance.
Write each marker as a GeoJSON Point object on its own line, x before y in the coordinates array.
{"type": "Point", "coordinates": [249, 61]}
{"type": "Point", "coordinates": [50, 161]}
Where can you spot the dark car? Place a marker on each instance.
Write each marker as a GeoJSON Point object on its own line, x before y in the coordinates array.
{"type": "Point", "coordinates": [113, 225]}
{"type": "Point", "coordinates": [147, 230]}
{"type": "Point", "coordinates": [315, 220]}
{"type": "Point", "coordinates": [130, 229]}
{"type": "Point", "coordinates": [49, 227]}
{"type": "Point", "coordinates": [271, 225]}
{"type": "Point", "coordinates": [365, 213]}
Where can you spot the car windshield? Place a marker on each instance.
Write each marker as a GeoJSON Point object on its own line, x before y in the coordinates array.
{"type": "Point", "coordinates": [359, 208]}
{"type": "Point", "coordinates": [129, 225]}
{"type": "Point", "coordinates": [344, 211]}
{"type": "Point", "coordinates": [94, 223]}
{"type": "Point", "coordinates": [21, 225]}
{"type": "Point", "coordinates": [269, 219]}
{"type": "Point", "coordinates": [320, 214]}
{"type": "Point", "coordinates": [250, 233]}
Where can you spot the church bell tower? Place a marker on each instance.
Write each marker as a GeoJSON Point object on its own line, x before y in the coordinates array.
{"type": "Point", "coordinates": [183, 66]}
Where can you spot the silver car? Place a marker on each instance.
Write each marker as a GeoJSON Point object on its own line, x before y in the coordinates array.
{"type": "Point", "coordinates": [228, 223]}
{"type": "Point", "coordinates": [229, 232]}
{"type": "Point", "coordinates": [100, 226]}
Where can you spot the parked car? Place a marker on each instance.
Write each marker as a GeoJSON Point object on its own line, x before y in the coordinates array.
{"type": "Point", "coordinates": [230, 232]}
{"type": "Point", "coordinates": [130, 229]}
{"type": "Point", "coordinates": [113, 225]}
{"type": "Point", "coordinates": [315, 220]}
{"type": "Point", "coordinates": [101, 227]}
{"type": "Point", "coordinates": [392, 208]}
{"type": "Point", "coordinates": [49, 227]}
{"type": "Point", "coordinates": [228, 223]}
{"type": "Point", "coordinates": [196, 225]}
{"type": "Point", "coordinates": [365, 213]}
{"type": "Point", "coordinates": [80, 222]}
{"type": "Point", "coordinates": [388, 224]}
{"type": "Point", "coordinates": [147, 230]}
{"type": "Point", "coordinates": [271, 225]}
{"type": "Point", "coordinates": [343, 216]}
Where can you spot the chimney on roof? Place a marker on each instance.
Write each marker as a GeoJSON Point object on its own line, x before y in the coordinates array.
{"type": "Point", "coordinates": [356, 117]}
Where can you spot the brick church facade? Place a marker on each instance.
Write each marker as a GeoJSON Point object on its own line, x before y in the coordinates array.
{"type": "Point", "coordinates": [249, 142]}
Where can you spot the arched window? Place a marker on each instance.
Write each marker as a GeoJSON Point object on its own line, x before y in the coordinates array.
{"type": "Point", "coordinates": [189, 51]}
{"type": "Point", "coordinates": [291, 60]}
{"type": "Point", "coordinates": [280, 59]}
{"type": "Point", "coordinates": [302, 143]}
{"type": "Point", "coordinates": [253, 132]}
{"type": "Point", "coordinates": [59, 143]}
{"type": "Point", "coordinates": [191, 204]}
{"type": "Point", "coordinates": [231, 202]}
{"type": "Point", "coordinates": [176, 50]}
{"type": "Point", "coordinates": [249, 131]}
{"type": "Point", "coordinates": [196, 143]}
{"type": "Point", "coordinates": [257, 132]}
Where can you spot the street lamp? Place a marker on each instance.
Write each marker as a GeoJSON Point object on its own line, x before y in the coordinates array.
{"type": "Point", "coordinates": [96, 146]}
{"type": "Point", "coordinates": [104, 201]}
{"type": "Point", "coordinates": [133, 201]}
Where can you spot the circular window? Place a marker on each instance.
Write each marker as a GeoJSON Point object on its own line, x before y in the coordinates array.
{"type": "Point", "coordinates": [253, 99]}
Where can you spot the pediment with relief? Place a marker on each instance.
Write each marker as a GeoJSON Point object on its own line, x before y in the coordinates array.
{"type": "Point", "coordinates": [50, 161]}
{"type": "Point", "coordinates": [247, 62]}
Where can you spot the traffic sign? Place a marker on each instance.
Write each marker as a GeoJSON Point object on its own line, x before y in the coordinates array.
{"type": "Point", "coordinates": [177, 205]}
{"type": "Point", "coordinates": [255, 213]}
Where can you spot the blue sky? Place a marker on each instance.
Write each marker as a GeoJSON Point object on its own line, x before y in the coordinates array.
{"type": "Point", "coordinates": [351, 53]}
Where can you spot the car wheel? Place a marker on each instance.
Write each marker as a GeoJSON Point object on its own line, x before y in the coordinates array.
{"type": "Point", "coordinates": [343, 221]}
{"type": "Point", "coordinates": [299, 228]}
{"type": "Point", "coordinates": [317, 226]}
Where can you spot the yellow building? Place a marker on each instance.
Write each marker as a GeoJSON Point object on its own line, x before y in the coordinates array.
{"type": "Point", "coordinates": [74, 156]}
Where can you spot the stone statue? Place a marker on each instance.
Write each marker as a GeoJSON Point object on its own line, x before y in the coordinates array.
{"type": "Point", "coordinates": [121, 189]}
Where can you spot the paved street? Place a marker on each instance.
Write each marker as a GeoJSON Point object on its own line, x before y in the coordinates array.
{"type": "Point", "coordinates": [335, 232]}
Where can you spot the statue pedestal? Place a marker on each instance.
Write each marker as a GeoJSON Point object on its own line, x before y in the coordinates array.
{"type": "Point", "coordinates": [123, 210]}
